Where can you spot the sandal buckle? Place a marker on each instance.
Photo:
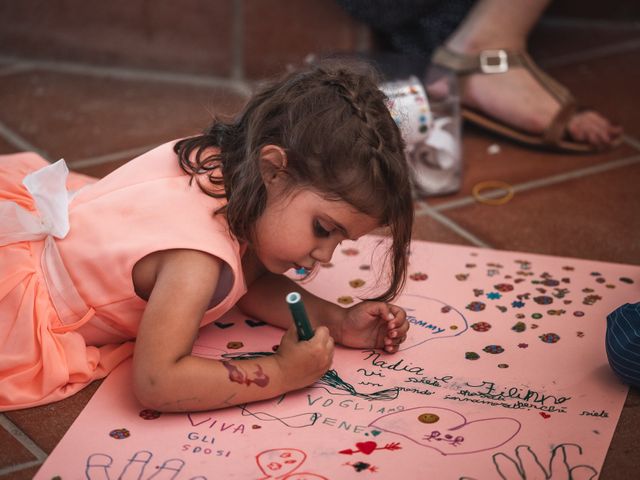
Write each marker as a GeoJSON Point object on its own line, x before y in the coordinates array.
{"type": "Point", "coordinates": [494, 61]}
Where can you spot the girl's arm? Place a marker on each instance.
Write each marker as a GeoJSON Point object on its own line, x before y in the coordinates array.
{"type": "Point", "coordinates": [265, 300]}
{"type": "Point", "coordinates": [168, 378]}
{"type": "Point", "coordinates": [363, 325]}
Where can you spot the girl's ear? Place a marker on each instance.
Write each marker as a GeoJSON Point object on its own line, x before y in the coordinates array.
{"type": "Point", "coordinates": [273, 161]}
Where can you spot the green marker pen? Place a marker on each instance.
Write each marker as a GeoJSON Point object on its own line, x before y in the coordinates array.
{"type": "Point", "coordinates": [299, 314]}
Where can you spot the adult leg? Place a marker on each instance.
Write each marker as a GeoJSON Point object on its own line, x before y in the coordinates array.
{"type": "Point", "coordinates": [515, 97]}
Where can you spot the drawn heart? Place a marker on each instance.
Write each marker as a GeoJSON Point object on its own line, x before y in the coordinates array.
{"type": "Point", "coordinates": [450, 433]}
{"type": "Point", "coordinates": [366, 447]}
{"type": "Point", "coordinates": [545, 415]}
{"type": "Point", "coordinates": [428, 321]}
{"type": "Point", "coordinates": [254, 323]}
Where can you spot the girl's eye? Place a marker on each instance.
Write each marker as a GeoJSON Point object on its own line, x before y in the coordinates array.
{"type": "Point", "coordinates": [319, 230]}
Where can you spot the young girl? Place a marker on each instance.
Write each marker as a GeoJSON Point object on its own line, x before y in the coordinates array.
{"type": "Point", "coordinates": [176, 237]}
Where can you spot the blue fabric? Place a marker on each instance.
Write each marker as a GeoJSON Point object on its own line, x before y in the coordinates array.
{"type": "Point", "coordinates": [623, 342]}
{"type": "Point", "coordinates": [414, 27]}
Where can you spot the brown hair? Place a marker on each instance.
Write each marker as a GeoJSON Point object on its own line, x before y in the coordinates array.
{"type": "Point", "coordinates": [340, 140]}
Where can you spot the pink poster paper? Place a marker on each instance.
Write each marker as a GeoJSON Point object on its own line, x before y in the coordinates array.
{"type": "Point", "coordinates": [503, 375]}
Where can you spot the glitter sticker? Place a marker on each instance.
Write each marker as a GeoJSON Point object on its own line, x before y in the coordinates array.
{"type": "Point", "coordinates": [471, 356]}
{"type": "Point", "coordinates": [591, 299]}
{"type": "Point", "coordinates": [120, 433]}
{"type": "Point", "coordinates": [235, 345]}
{"type": "Point", "coordinates": [550, 337]}
{"type": "Point", "coordinates": [519, 327]}
{"type": "Point", "coordinates": [493, 349]}
{"type": "Point", "coordinates": [356, 283]}
{"type": "Point", "coordinates": [345, 300]}
{"type": "Point", "coordinates": [428, 418]}
{"type": "Point", "coordinates": [476, 306]}
{"type": "Point", "coordinates": [543, 300]}
{"type": "Point", "coordinates": [503, 287]}
{"type": "Point", "coordinates": [418, 276]}
{"type": "Point", "coordinates": [481, 326]}
{"type": "Point", "coordinates": [149, 414]}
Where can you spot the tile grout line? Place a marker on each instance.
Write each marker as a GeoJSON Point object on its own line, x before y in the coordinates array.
{"type": "Point", "coordinates": [17, 141]}
{"type": "Point", "coordinates": [544, 182]}
{"type": "Point", "coordinates": [632, 141]}
{"type": "Point", "coordinates": [127, 73]}
{"type": "Point", "coordinates": [11, 69]}
{"type": "Point", "coordinates": [591, 54]}
{"type": "Point", "coordinates": [569, 22]}
{"type": "Point", "coordinates": [427, 210]}
{"type": "Point", "coordinates": [18, 467]}
{"type": "Point", "coordinates": [23, 438]}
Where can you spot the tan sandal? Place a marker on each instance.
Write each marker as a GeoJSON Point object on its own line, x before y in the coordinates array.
{"type": "Point", "coordinates": [500, 61]}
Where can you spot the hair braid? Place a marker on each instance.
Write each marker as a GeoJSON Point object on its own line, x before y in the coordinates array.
{"type": "Point", "coordinates": [340, 139]}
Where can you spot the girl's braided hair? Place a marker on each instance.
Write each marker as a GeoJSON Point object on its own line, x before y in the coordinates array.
{"type": "Point", "coordinates": [333, 123]}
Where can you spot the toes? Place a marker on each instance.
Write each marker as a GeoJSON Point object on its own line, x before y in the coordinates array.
{"type": "Point", "coordinates": [593, 128]}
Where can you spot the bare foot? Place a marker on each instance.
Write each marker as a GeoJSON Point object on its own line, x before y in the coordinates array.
{"type": "Point", "coordinates": [517, 99]}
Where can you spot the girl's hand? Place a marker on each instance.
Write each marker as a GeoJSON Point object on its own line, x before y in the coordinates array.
{"type": "Point", "coordinates": [304, 362]}
{"type": "Point", "coordinates": [375, 325]}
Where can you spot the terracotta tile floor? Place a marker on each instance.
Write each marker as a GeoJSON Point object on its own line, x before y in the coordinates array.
{"type": "Point", "coordinates": [569, 205]}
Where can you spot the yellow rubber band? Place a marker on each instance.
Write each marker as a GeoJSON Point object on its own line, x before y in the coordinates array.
{"type": "Point", "coordinates": [480, 187]}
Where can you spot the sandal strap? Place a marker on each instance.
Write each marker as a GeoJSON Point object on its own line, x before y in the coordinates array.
{"type": "Point", "coordinates": [556, 130]}
{"type": "Point", "coordinates": [487, 61]}
{"type": "Point", "coordinates": [500, 61]}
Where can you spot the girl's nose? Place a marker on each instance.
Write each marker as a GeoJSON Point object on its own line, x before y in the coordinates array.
{"type": "Point", "coordinates": [324, 252]}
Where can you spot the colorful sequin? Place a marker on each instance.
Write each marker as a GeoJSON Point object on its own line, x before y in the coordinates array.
{"type": "Point", "coordinates": [345, 300]}
{"type": "Point", "coordinates": [543, 300]}
{"type": "Point", "coordinates": [476, 306]}
{"type": "Point", "coordinates": [149, 414]}
{"type": "Point", "coordinates": [481, 326]}
{"type": "Point", "coordinates": [418, 276]}
{"type": "Point", "coordinates": [493, 349]}
{"type": "Point", "coordinates": [503, 287]}
{"type": "Point", "coordinates": [519, 327]}
{"type": "Point", "coordinates": [120, 433]}
{"type": "Point", "coordinates": [550, 337]}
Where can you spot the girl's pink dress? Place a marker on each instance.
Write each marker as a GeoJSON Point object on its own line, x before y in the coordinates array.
{"type": "Point", "coordinates": [68, 309]}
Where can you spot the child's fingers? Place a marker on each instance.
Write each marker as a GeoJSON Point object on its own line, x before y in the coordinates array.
{"type": "Point", "coordinates": [398, 328]}
{"type": "Point", "coordinates": [396, 316]}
